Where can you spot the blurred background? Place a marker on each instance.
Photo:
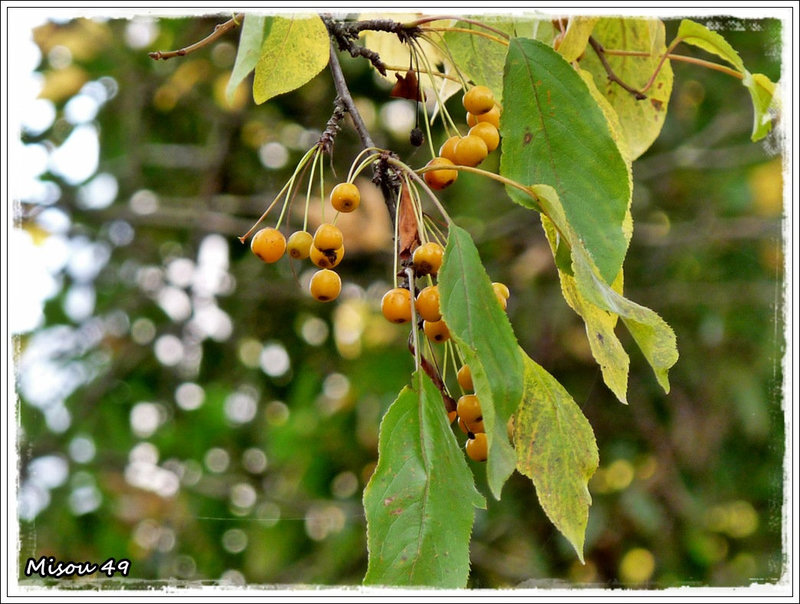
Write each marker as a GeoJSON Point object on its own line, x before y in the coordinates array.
{"type": "Point", "coordinates": [186, 406]}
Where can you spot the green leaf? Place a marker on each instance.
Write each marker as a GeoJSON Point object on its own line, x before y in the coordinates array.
{"type": "Point", "coordinates": [294, 51]}
{"type": "Point", "coordinates": [762, 92]}
{"type": "Point", "coordinates": [603, 342]}
{"type": "Point", "coordinates": [419, 501]}
{"type": "Point", "coordinates": [641, 120]}
{"type": "Point", "coordinates": [576, 37]}
{"type": "Point", "coordinates": [555, 133]}
{"type": "Point", "coordinates": [481, 59]}
{"type": "Point", "coordinates": [481, 329]}
{"type": "Point", "coordinates": [556, 449]}
{"type": "Point", "coordinates": [253, 31]}
{"type": "Point", "coordinates": [652, 334]}
{"type": "Point", "coordinates": [761, 89]}
{"type": "Point", "coordinates": [710, 41]}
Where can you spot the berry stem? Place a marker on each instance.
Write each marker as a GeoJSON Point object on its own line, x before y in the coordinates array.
{"type": "Point", "coordinates": [410, 275]}
{"type": "Point", "coordinates": [351, 176]}
{"type": "Point", "coordinates": [425, 20]}
{"type": "Point", "coordinates": [464, 30]}
{"type": "Point", "coordinates": [397, 237]}
{"type": "Point", "coordinates": [424, 185]}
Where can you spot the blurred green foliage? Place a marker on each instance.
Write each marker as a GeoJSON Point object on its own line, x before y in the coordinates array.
{"type": "Point", "coordinates": [207, 419]}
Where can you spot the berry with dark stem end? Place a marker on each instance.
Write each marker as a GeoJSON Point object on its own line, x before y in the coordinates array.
{"type": "Point", "coordinates": [327, 258]}
{"type": "Point", "coordinates": [436, 330]}
{"type": "Point", "coordinates": [478, 447]}
{"type": "Point", "coordinates": [427, 303]}
{"type": "Point", "coordinates": [470, 151]}
{"type": "Point", "coordinates": [396, 305]}
{"type": "Point", "coordinates": [299, 245]}
{"type": "Point", "coordinates": [492, 116]}
{"type": "Point", "coordinates": [427, 259]}
{"type": "Point", "coordinates": [345, 197]}
{"type": "Point", "coordinates": [416, 137]}
{"type": "Point", "coordinates": [478, 100]}
{"type": "Point", "coordinates": [328, 237]}
{"type": "Point", "coordinates": [325, 285]}
{"type": "Point", "coordinates": [440, 178]}
{"type": "Point", "coordinates": [488, 133]}
{"type": "Point", "coordinates": [268, 244]}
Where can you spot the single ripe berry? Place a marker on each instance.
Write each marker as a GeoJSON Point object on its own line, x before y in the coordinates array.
{"type": "Point", "coordinates": [470, 151]}
{"type": "Point", "coordinates": [441, 178]}
{"type": "Point", "coordinates": [436, 330]}
{"type": "Point", "coordinates": [469, 410]}
{"type": "Point", "coordinates": [447, 150]}
{"type": "Point", "coordinates": [428, 303]}
{"type": "Point", "coordinates": [464, 378]}
{"type": "Point", "coordinates": [427, 259]}
{"type": "Point", "coordinates": [478, 100]}
{"type": "Point", "coordinates": [328, 237]}
{"type": "Point", "coordinates": [327, 258]}
{"type": "Point", "coordinates": [345, 197]}
{"type": "Point", "coordinates": [268, 244]}
{"type": "Point", "coordinates": [299, 245]}
{"type": "Point", "coordinates": [492, 116]}
{"type": "Point", "coordinates": [325, 285]}
{"type": "Point", "coordinates": [396, 305]}
{"type": "Point", "coordinates": [488, 133]}
{"type": "Point", "coordinates": [478, 447]}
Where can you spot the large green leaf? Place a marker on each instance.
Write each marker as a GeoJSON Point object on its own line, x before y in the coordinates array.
{"type": "Point", "coordinates": [480, 58]}
{"type": "Point", "coordinates": [254, 29]}
{"type": "Point", "coordinates": [652, 334]}
{"type": "Point", "coordinates": [761, 89]}
{"type": "Point", "coordinates": [419, 501]}
{"type": "Point", "coordinates": [555, 133]}
{"type": "Point", "coordinates": [293, 52]}
{"type": "Point", "coordinates": [641, 120]}
{"type": "Point", "coordinates": [556, 449]}
{"type": "Point", "coordinates": [483, 333]}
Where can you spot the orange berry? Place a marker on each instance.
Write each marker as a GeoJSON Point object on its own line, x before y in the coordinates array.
{"type": "Point", "coordinates": [427, 259]}
{"type": "Point", "coordinates": [427, 303]}
{"type": "Point", "coordinates": [478, 100]}
{"type": "Point", "coordinates": [325, 285]}
{"type": "Point", "coordinates": [470, 151]}
{"type": "Point", "coordinates": [268, 244]}
{"type": "Point", "coordinates": [327, 258]}
{"type": "Point", "coordinates": [328, 237]}
{"type": "Point", "coordinates": [469, 409]}
{"type": "Point", "coordinates": [441, 178]}
{"type": "Point", "coordinates": [475, 426]}
{"type": "Point", "coordinates": [492, 116]}
{"type": "Point", "coordinates": [478, 448]}
{"type": "Point", "coordinates": [488, 133]}
{"type": "Point", "coordinates": [464, 378]}
{"type": "Point", "coordinates": [396, 305]}
{"type": "Point", "coordinates": [345, 197]}
{"type": "Point", "coordinates": [447, 150]}
{"type": "Point", "coordinates": [436, 330]}
{"type": "Point", "coordinates": [299, 245]}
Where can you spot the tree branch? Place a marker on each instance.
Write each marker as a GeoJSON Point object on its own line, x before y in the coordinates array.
{"type": "Point", "coordinates": [219, 31]}
{"type": "Point", "coordinates": [600, 51]}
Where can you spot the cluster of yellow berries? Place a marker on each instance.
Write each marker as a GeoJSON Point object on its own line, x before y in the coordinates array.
{"type": "Point", "coordinates": [325, 248]}
{"type": "Point", "coordinates": [483, 118]}
{"type": "Point", "coordinates": [470, 417]}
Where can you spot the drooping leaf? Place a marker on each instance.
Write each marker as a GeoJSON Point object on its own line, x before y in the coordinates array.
{"type": "Point", "coordinates": [556, 449]}
{"type": "Point", "coordinates": [606, 348]}
{"type": "Point", "coordinates": [652, 334]}
{"type": "Point", "coordinates": [480, 58]}
{"type": "Point", "coordinates": [761, 89]}
{"type": "Point", "coordinates": [419, 501]}
{"type": "Point", "coordinates": [483, 333]}
{"type": "Point", "coordinates": [254, 29]}
{"type": "Point", "coordinates": [576, 37]}
{"type": "Point", "coordinates": [555, 133]}
{"type": "Point", "coordinates": [294, 51]}
{"type": "Point", "coordinates": [641, 120]}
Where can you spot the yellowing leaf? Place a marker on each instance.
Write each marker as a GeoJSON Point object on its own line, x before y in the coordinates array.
{"type": "Point", "coordinates": [556, 449]}
{"type": "Point", "coordinates": [294, 51]}
{"type": "Point", "coordinates": [710, 41]}
{"type": "Point", "coordinates": [250, 41]}
{"type": "Point", "coordinates": [394, 53]}
{"type": "Point", "coordinates": [576, 37]}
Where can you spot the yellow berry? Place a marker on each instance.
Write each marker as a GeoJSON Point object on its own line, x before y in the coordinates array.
{"type": "Point", "coordinates": [470, 151]}
{"type": "Point", "coordinates": [447, 150]}
{"type": "Point", "coordinates": [478, 100]}
{"type": "Point", "coordinates": [345, 197]}
{"type": "Point", "coordinates": [436, 330]}
{"type": "Point", "coordinates": [325, 285]}
{"type": "Point", "coordinates": [396, 305]}
{"type": "Point", "coordinates": [492, 116]}
{"type": "Point", "coordinates": [299, 245]}
{"type": "Point", "coordinates": [328, 237]}
{"type": "Point", "coordinates": [469, 410]}
{"type": "Point", "coordinates": [327, 258]}
{"type": "Point", "coordinates": [478, 448]}
{"type": "Point", "coordinates": [427, 259]}
{"type": "Point", "coordinates": [268, 244]}
{"type": "Point", "coordinates": [440, 178]}
{"type": "Point", "coordinates": [427, 303]}
{"type": "Point", "coordinates": [464, 378]}
{"type": "Point", "coordinates": [488, 133]}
